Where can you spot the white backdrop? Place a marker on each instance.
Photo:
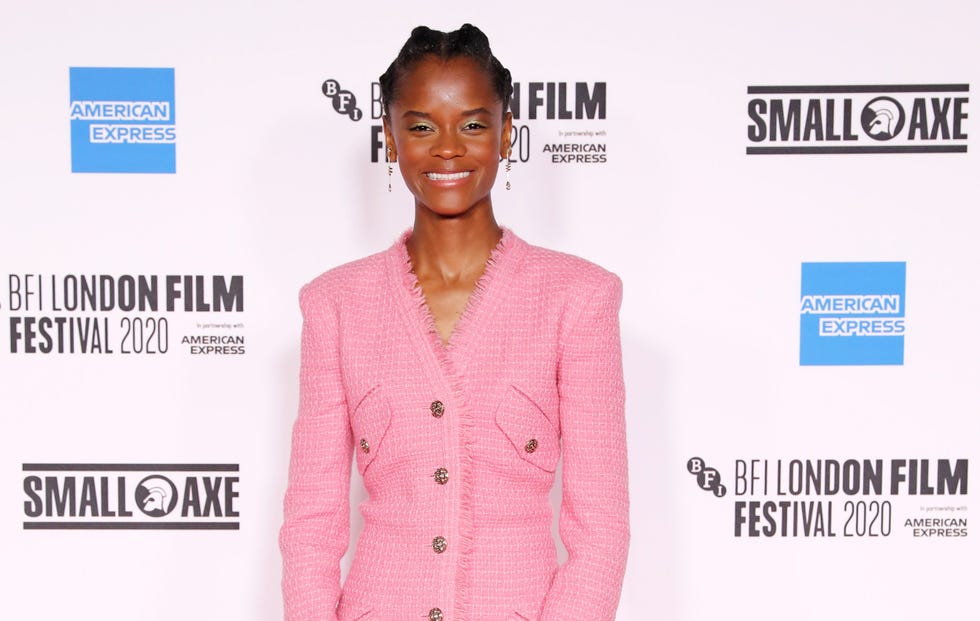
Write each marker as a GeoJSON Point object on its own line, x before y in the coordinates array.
{"type": "Point", "coordinates": [273, 185]}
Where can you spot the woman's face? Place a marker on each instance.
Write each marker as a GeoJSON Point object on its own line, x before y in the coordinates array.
{"type": "Point", "coordinates": [448, 132]}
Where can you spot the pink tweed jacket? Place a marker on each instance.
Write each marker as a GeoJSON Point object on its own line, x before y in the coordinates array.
{"type": "Point", "coordinates": [458, 445]}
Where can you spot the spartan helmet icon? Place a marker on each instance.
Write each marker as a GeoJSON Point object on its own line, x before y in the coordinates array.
{"type": "Point", "coordinates": [885, 118]}
{"type": "Point", "coordinates": [882, 118]}
{"type": "Point", "coordinates": [155, 500]}
{"type": "Point", "coordinates": [156, 496]}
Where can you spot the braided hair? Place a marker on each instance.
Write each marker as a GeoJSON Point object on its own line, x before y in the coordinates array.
{"type": "Point", "coordinates": [469, 42]}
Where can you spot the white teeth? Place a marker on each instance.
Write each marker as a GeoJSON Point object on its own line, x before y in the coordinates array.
{"type": "Point", "coordinates": [447, 176]}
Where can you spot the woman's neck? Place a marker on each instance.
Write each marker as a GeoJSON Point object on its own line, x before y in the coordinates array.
{"type": "Point", "coordinates": [451, 249]}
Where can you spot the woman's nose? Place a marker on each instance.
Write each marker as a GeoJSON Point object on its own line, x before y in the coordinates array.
{"type": "Point", "coordinates": [448, 145]}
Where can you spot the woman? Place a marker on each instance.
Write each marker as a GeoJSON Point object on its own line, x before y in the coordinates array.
{"type": "Point", "coordinates": [458, 365]}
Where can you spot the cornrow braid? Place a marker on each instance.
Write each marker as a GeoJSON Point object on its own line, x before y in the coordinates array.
{"type": "Point", "coordinates": [469, 41]}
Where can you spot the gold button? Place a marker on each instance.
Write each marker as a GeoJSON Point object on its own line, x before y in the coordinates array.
{"type": "Point", "coordinates": [439, 545]}
{"type": "Point", "coordinates": [437, 408]}
{"type": "Point", "coordinates": [531, 446]}
{"type": "Point", "coordinates": [435, 615]}
{"type": "Point", "coordinates": [364, 446]}
{"type": "Point", "coordinates": [442, 476]}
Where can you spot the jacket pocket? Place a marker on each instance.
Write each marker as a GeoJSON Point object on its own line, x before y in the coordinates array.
{"type": "Point", "coordinates": [531, 433]}
{"type": "Point", "coordinates": [516, 616]}
{"type": "Point", "coordinates": [353, 610]}
{"type": "Point", "coordinates": [360, 615]}
{"type": "Point", "coordinates": [351, 613]}
{"type": "Point", "coordinates": [369, 424]}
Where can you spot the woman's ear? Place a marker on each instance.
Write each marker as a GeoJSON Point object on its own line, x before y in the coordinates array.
{"type": "Point", "coordinates": [391, 152]}
{"type": "Point", "coordinates": [505, 134]}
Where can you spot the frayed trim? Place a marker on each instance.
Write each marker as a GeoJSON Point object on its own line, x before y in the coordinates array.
{"type": "Point", "coordinates": [466, 425]}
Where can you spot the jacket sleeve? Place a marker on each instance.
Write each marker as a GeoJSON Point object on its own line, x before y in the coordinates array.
{"type": "Point", "coordinates": [594, 517]}
{"type": "Point", "coordinates": [316, 525]}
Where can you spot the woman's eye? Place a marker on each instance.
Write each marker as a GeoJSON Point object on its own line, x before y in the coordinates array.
{"type": "Point", "coordinates": [419, 127]}
{"type": "Point", "coordinates": [474, 125]}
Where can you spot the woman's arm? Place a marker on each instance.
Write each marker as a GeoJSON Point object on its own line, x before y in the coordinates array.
{"type": "Point", "coordinates": [316, 525]}
{"type": "Point", "coordinates": [594, 519]}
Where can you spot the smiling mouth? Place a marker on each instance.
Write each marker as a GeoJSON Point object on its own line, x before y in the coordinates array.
{"type": "Point", "coordinates": [434, 176]}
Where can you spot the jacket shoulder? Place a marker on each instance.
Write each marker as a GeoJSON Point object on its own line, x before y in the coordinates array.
{"type": "Point", "coordinates": [568, 269]}
{"type": "Point", "coordinates": [345, 279]}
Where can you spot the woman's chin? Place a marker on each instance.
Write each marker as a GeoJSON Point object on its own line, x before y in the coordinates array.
{"type": "Point", "coordinates": [448, 207]}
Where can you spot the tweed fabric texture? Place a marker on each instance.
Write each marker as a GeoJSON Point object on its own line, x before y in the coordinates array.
{"type": "Point", "coordinates": [458, 444]}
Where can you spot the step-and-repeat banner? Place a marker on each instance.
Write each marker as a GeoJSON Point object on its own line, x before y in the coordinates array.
{"type": "Point", "coordinates": [788, 191]}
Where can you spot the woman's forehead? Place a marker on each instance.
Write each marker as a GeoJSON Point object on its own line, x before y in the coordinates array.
{"type": "Point", "coordinates": [434, 81]}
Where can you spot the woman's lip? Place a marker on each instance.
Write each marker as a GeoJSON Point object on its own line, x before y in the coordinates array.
{"type": "Point", "coordinates": [447, 176]}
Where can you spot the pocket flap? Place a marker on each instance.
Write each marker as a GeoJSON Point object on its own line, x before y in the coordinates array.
{"type": "Point", "coordinates": [528, 429]}
{"type": "Point", "coordinates": [370, 423]}
{"type": "Point", "coordinates": [353, 612]}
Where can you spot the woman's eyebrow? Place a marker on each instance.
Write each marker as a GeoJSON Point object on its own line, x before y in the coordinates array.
{"type": "Point", "coordinates": [425, 115]}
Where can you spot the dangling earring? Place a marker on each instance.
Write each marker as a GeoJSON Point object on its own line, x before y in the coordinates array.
{"type": "Point", "coordinates": [507, 169]}
{"type": "Point", "coordinates": [390, 169]}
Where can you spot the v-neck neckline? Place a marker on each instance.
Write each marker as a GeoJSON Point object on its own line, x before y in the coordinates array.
{"type": "Point", "coordinates": [474, 303]}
